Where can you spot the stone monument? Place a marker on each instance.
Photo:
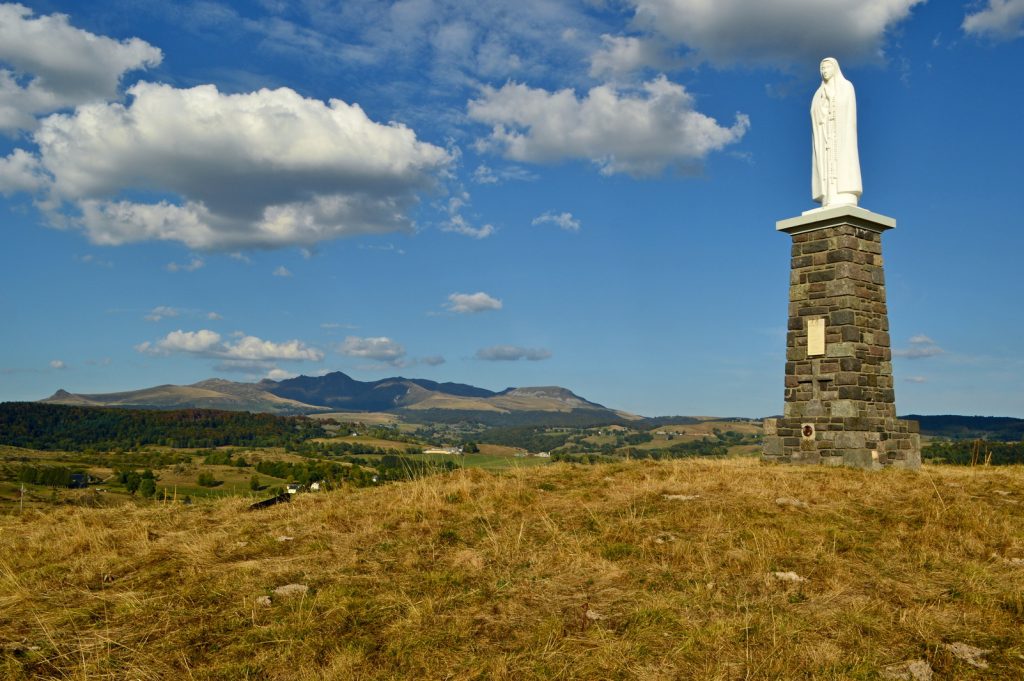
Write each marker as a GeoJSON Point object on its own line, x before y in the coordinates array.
{"type": "Point", "coordinates": [840, 406]}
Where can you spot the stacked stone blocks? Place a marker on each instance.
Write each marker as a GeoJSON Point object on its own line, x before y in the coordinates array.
{"type": "Point", "coordinates": [840, 406]}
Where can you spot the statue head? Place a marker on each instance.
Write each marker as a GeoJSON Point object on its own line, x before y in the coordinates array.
{"type": "Point", "coordinates": [829, 68]}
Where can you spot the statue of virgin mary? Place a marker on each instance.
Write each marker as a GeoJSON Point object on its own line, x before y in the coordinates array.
{"type": "Point", "coordinates": [835, 167]}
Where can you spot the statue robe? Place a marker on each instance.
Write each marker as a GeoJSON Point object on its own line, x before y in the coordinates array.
{"type": "Point", "coordinates": [847, 160]}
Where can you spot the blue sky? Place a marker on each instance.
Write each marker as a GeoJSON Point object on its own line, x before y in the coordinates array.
{"type": "Point", "coordinates": [498, 193]}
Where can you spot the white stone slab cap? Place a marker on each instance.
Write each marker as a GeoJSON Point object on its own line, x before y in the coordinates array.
{"type": "Point", "coordinates": [821, 218]}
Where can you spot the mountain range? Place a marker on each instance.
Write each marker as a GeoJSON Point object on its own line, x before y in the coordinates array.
{"type": "Point", "coordinates": [339, 392]}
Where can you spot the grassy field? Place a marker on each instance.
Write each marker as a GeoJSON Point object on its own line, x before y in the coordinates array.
{"type": "Point", "coordinates": [684, 569]}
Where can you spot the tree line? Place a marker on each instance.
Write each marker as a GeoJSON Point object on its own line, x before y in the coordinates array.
{"type": "Point", "coordinates": [962, 452]}
{"type": "Point", "coordinates": [72, 428]}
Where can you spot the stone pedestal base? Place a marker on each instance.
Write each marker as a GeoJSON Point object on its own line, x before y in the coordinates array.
{"type": "Point", "coordinates": [840, 406]}
{"type": "Point", "coordinates": [862, 443]}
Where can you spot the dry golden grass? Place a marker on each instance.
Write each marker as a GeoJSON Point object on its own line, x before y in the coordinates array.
{"type": "Point", "coordinates": [557, 572]}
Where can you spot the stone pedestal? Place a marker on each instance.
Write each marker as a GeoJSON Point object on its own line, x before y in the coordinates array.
{"type": "Point", "coordinates": [840, 406]}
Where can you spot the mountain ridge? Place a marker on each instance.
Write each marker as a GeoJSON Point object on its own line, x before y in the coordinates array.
{"type": "Point", "coordinates": [338, 391]}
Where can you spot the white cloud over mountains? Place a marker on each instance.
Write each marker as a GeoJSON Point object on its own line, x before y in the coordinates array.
{"type": "Point", "coordinates": [470, 303]}
{"type": "Point", "coordinates": [638, 132]}
{"type": "Point", "coordinates": [999, 20]}
{"type": "Point", "coordinates": [262, 169]}
{"type": "Point", "coordinates": [774, 32]}
{"type": "Point", "coordinates": [53, 65]}
{"type": "Point", "coordinates": [381, 349]}
{"type": "Point", "coordinates": [512, 353]}
{"type": "Point", "coordinates": [208, 343]}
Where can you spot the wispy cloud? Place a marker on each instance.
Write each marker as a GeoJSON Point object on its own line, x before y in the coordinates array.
{"type": "Point", "coordinates": [921, 346]}
{"type": "Point", "coordinates": [484, 174]}
{"type": "Point", "coordinates": [162, 312]}
{"type": "Point", "coordinates": [564, 220]}
{"type": "Point", "coordinates": [191, 266]}
{"type": "Point", "coordinates": [282, 271]}
{"type": "Point", "coordinates": [458, 224]}
{"type": "Point", "coordinates": [512, 353]}
{"type": "Point", "coordinates": [90, 259]}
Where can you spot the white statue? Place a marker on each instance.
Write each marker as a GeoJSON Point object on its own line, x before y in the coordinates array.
{"type": "Point", "coordinates": [835, 166]}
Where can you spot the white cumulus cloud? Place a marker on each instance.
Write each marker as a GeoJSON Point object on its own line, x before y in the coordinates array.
{"type": "Point", "coordinates": [470, 303]}
{"type": "Point", "coordinates": [564, 220]}
{"type": "Point", "coordinates": [281, 271]}
{"type": "Point", "coordinates": [622, 55]}
{"type": "Point", "coordinates": [639, 132]}
{"type": "Point", "coordinates": [511, 353]}
{"type": "Point", "coordinates": [381, 349]}
{"type": "Point", "coordinates": [999, 20]}
{"type": "Point", "coordinates": [21, 172]}
{"type": "Point", "coordinates": [208, 343]}
{"type": "Point", "coordinates": [52, 65]}
{"type": "Point", "coordinates": [727, 32]}
{"type": "Point", "coordinates": [57, 364]}
{"type": "Point", "coordinates": [262, 169]}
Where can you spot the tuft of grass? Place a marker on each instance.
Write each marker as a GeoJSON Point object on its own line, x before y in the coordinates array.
{"type": "Point", "coordinates": [638, 570]}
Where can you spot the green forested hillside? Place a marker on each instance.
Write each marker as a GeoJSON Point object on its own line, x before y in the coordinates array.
{"type": "Point", "coordinates": [52, 426]}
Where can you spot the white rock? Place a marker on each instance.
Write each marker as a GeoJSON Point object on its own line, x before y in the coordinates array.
{"type": "Point", "coordinates": [791, 502]}
{"type": "Point", "coordinates": [968, 653]}
{"type": "Point", "coordinates": [911, 670]}
{"type": "Point", "coordinates": [788, 577]}
{"type": "Point", "coordinates": [291, 590]}
{"type": "Point", "coordinates": [680, 497]}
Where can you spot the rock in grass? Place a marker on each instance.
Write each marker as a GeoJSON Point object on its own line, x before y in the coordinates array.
{"type": "Point", "coordinates": [911, 670]}
{"type": "Point", "coordinates": [680, 497]}
{"type": "Point", "coordinates": [790, 502]}
{"type": "Point", "coordinates": [968, 653]}
{"type": "Point", "coordinates": [788, 577]}
{"type": "Point", "coordinates": [289, 590]}
{"type": "Point", "coordinates": [263, 601]}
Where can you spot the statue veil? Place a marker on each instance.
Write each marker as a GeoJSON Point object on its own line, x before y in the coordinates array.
{"type": "Point", "coordinates": [835, 165]}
